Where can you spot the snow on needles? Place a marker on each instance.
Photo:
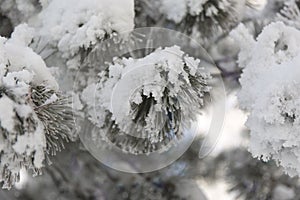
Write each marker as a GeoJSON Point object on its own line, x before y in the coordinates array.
{"type": "Point", "coordinates": [270, 93]}
{"type": "Point", "coordinates": [155, 98]}
{"type": "Point", "coordinates": [18, 55]}
{"type": "Point", "coordinates": [23, 135]}
{"type": "Point", "coordinates": [70, 25]}
{"type": "Point", "coordinates": [177, 10]}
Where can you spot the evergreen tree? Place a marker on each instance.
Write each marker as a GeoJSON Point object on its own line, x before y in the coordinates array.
{"type": "Point", "coordinates": [72, 72]}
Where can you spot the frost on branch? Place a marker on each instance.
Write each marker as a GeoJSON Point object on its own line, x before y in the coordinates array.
{"type": "Point", "coordinates": [204, 16]}
{"type": "Point", "coordinates": [35, 118]}
{"type": "Point", "coordinates": [270, 92]}
{"type": "Point", "coordinates": [74, 28]}
{"type": "Point", "coordinates": [143, 104]}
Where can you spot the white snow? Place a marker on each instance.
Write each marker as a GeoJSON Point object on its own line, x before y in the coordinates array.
{"type": "Point", "coordinates": [52, 99]}
{"type": "Point", "coordinates": [270, 93]}
{"type": "Point", "coordinates": [20, 57]}
{"type": "Point", "coordinates": [32, 143]}
{"type": "Point", "coordinates": [128, 80]}
{"type": "Point", "coordinates": [71, 26]}
{"type": "Point", "coordinates": [23, 142]}
{"type": "Point", "coordinates": [175, 10]}
{"type": "Point", "coordinates": [7, 115]}
{"type": "Point", "coordinates": [178, 10]}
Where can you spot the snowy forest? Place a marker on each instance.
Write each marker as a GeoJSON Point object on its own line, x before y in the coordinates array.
{"type": "Point", "coordinates": [149, 99]}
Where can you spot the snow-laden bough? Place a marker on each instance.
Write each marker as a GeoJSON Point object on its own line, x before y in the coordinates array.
{"type": "Point", "coordinates": [270, 93]}
{"type": "Point", "coordinates": [35, 118]}
{"type": "Point", "coordinates": [74, 28]}
{"type": "Point", "coordinates": [142, 105]}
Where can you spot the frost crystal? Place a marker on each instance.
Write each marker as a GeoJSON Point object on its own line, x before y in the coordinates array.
{"type": "Point", "coordinates": [270, 92]}
{"type": "Point", "coordinates": [143, 104]}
